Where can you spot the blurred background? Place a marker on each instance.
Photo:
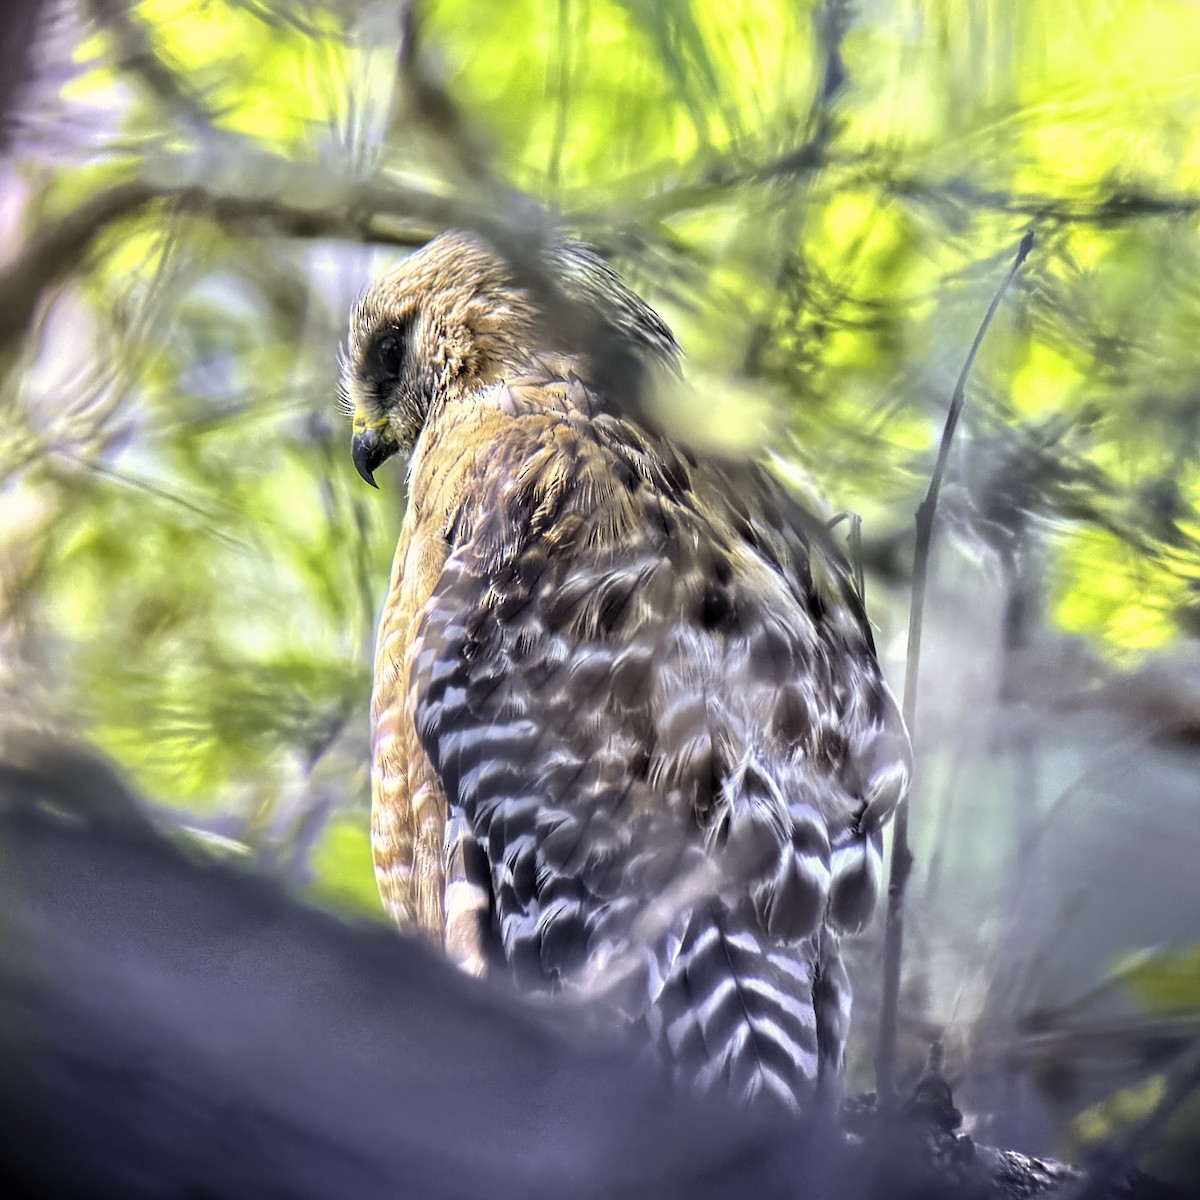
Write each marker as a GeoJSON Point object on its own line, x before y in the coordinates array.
{"type": "Point", "coordinates": [821, 198]}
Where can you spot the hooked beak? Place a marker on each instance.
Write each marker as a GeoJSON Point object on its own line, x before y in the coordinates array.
{"type": "Point", "coordinates": [369, 449]}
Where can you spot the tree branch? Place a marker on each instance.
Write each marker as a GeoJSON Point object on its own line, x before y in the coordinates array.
{"type": "Point", "coordinates": [171, 1025]}
{"type": "Point", "coordinates": [902, 858]}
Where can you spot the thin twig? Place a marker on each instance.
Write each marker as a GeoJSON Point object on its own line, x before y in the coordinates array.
{"type": "Point", "coordinates": [902, 859]}
{"type": "Point", "coordinates": [854, 547]}
{"type": "Point", "coordinates": [562, 106]}
{"type": "Point", "coordinates": [426, 107]}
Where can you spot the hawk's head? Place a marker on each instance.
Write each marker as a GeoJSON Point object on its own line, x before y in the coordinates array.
{"type": "Point", "coordinates": [453, 320]}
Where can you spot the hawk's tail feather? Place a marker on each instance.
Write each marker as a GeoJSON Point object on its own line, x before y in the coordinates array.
{"type": "Point", "coordinates": [736, 1012]}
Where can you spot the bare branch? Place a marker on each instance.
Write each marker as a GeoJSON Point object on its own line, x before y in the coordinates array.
{"type": "Point", "coordinates": [57, 250]}
{"type": "Point", "coordinates": [902, 859]}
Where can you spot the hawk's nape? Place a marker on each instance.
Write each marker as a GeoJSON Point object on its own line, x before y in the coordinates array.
{"type": "Point", "coordinates": [631, 739]}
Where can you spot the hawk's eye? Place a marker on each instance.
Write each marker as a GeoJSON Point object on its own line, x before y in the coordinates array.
{"type": "Point", "coordinates": [387, 357]}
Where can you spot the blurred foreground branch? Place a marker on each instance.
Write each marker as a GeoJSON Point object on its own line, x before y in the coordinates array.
{"type": "Point", "coordinates": [174, 1026]}
{"type": "Point", "coordinates": [177, 1027]}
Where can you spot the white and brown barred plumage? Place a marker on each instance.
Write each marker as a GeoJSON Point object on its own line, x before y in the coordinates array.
{"type": "Point", "coordinates": [630, 735]}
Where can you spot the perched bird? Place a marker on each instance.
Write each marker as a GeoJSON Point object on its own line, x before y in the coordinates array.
{"type": "Point", "coordinates": [631, 740]}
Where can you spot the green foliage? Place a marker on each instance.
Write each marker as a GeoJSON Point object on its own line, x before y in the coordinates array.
{"type": "Point", "coordinates": [1167, 982]}
{"type": "Point", "coordinates": [342, 866]}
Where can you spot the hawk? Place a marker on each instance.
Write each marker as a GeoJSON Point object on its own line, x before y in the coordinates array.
{"type": "Point", "coordinates": [630, 737]}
